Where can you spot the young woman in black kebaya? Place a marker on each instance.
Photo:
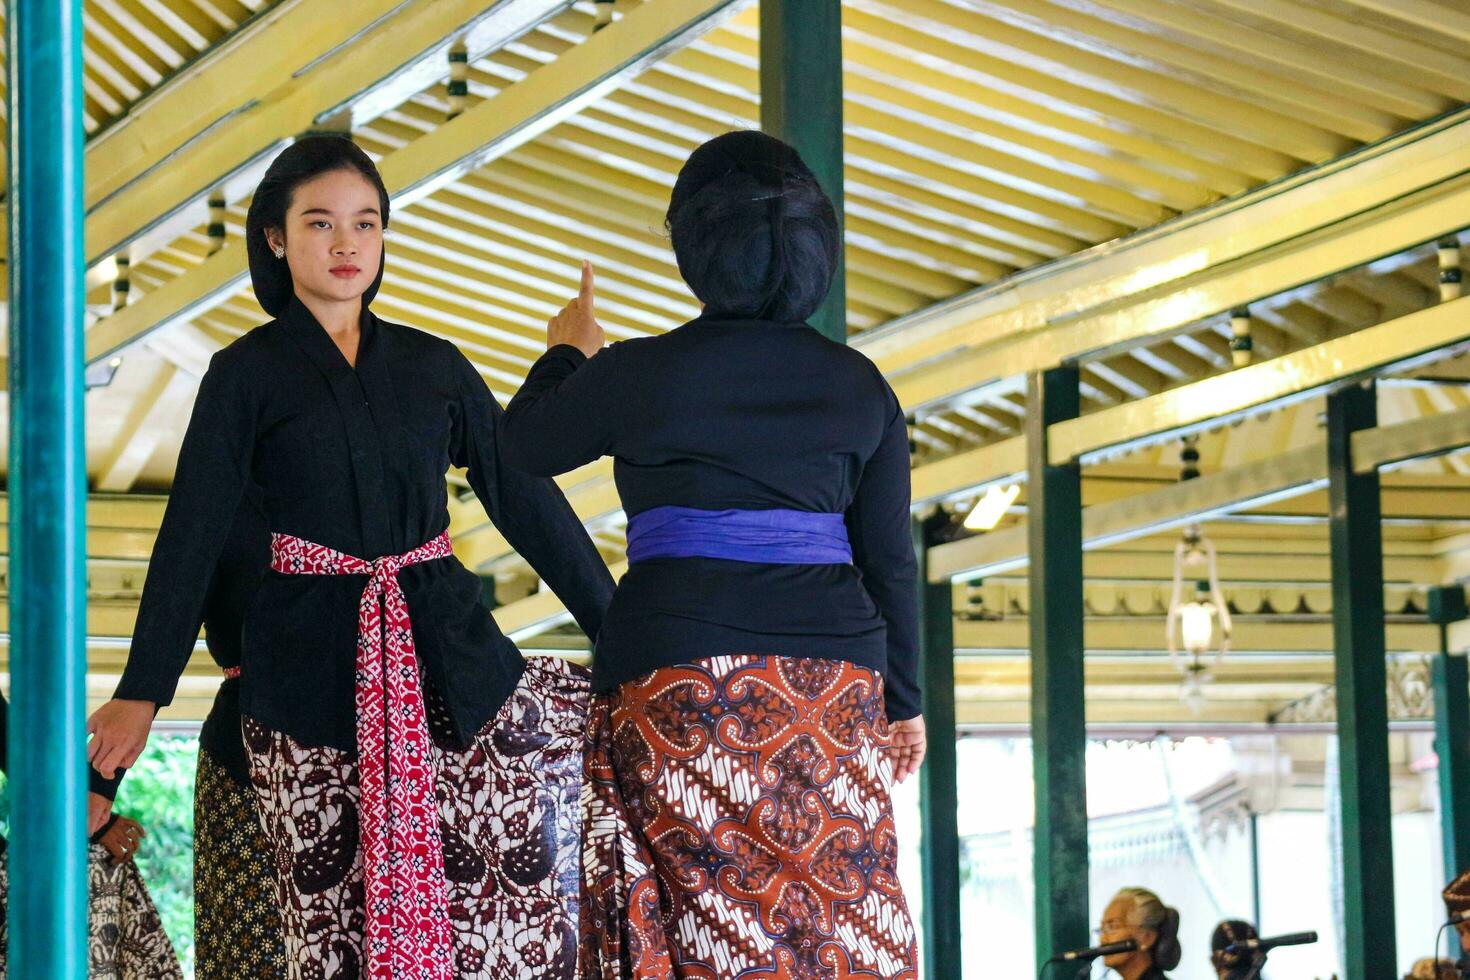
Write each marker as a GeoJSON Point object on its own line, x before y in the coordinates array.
{"type": "Point", "coordinates": [415, 777]}
{"type": "Point", "coordinates": [756, 675]}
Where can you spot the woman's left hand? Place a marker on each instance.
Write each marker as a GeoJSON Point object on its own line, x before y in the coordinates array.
{"type": "Point", "coordinates": [575, 324]}
{"type": "Point", "coordinates": [907, 747]}
{"type": "Point", "coordinates": [122, 839]}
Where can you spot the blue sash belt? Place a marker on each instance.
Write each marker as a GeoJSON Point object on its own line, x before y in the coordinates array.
{"type": "Point", "coordinates": [774, 537]}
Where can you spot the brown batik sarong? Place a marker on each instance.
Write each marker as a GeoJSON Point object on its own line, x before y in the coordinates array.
{"type": "Point", "coordinates": [125, 937]}
{"type": "Point", "coordinates": [739, 824]}
{"type": "Point", "coordinates": [509, 826]}
{"type": "Point", "coordinates": [237, 926]}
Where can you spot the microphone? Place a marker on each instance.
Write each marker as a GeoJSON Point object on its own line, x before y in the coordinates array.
{"type": "Point", "coordinates": [1093, 952]}
{"type": "Point", "coordinates": [1262, 945]}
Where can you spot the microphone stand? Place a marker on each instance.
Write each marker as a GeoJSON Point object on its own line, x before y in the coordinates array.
{"type": "Point", "coordinates": [1257, 965]}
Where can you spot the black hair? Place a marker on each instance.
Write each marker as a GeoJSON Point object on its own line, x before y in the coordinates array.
{"type": "Point", "coordinates": [304, 160]}
{"type": "Point", "coordinates": [1226, 933]}
{"type": "Point", "coordinates": [755, 235]}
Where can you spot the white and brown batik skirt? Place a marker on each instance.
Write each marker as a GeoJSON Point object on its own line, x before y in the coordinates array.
{"type": "Point", "coordinates": [509, 824]}
{"type": "Point", "coordinates": [125, 937]}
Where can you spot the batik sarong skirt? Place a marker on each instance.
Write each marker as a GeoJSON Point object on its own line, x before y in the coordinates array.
{"type": "Point", "coordinates": [125, 937]}
{"type": "Point", "coordinates": [237, 924]}
{"type": "Point", "coordinates": [509, 824]}
{"type": "Point", "coordinates": [739, 824]}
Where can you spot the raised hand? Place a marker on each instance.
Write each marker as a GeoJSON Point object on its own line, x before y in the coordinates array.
{"type": "Point", "coordinates": [119, 731]}
{"type": "Point", "coordinates": [575, 324]}
{"type": "Point", "coordinates": [907, 747]}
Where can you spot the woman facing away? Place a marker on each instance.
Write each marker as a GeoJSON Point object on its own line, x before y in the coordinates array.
{"type": "Point", "coordinates": [756, 677]}
{"type": "Point", "coordinates": [415, 778]}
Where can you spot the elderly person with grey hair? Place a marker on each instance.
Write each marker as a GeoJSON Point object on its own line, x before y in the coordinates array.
{"type": "Point", "coordinates": [1139, 914]}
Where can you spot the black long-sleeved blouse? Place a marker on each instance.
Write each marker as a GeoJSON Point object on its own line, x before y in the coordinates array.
{"type": "Point", "coordinates": [744, 415]}
{"type": "Point", "coordinates": [355, 460]}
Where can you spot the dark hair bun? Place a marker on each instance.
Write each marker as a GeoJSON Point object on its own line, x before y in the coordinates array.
{"type": "Point", "coordinates": [1166, 951]}
{"type": "Point", "coordinates": [754, 234]}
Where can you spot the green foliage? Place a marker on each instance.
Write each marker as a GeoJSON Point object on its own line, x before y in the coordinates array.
{"type": "Point", "coordinates": [159, 793]}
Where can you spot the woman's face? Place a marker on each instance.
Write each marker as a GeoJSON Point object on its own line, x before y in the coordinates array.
{"type": "Point", "coordinates": [333, 237]}
{"type": "Point", "coordinates": [1119, 922]}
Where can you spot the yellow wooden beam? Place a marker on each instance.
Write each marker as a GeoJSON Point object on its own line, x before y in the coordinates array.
{"type": "Point", "coordinates": [166, 398]}
{"type": "Point", "coordinates": [1420, 336]}
{"type": "Point", "coordinates": [299, 68]}
{"type": "Point", "coordinates": [1424, 15]}
{"type": "Point", "coordinates": [493, 128]}
{"type": "Point", "coordinates": [1382, 200]}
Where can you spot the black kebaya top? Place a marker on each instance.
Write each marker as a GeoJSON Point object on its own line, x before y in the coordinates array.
{"type": "Point", "coordinates": [739, 415]}
{"type": "Point", "coordinates": [355, 460]}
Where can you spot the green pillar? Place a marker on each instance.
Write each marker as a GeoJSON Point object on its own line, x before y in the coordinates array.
{"type": "Point", "coordinates": [1356, 528]}
{"type": "Point", "coordinates": [801, 103]}
{"type": "Point", "coordinates": [1452, 731]}
{"type": "Point", "coordinates": [938, 779]}
{"type": "Point", "coordinates": [1058, 725]}
{"type": "Point", "coordinates": [48, 492]}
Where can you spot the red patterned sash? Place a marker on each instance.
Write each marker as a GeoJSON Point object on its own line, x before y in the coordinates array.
{"type": "Point", "coordinates": [407, 909]}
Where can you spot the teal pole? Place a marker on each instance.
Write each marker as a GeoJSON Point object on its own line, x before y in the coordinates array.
{"type": "Point", "coordinates": [1451, 682]}
{"type": "Point", "coordinates": [1355, 528]}
{"type": "Point", "coordinates": [1058, 725]}
{"type": "Point", "coordinates": [801, 103]}
{"type": "Point", "coordinates": [1452, 746]}
{"type": "Point", "coordinates": [47, 767]}
{"type": "Point", "coordinates": [939, 853]}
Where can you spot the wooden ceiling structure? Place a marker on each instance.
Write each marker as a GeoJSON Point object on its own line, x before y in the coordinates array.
{"type": "Point", "coordinates": [1028, 182]}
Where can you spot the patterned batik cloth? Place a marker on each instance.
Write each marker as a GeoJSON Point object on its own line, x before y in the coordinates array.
{"type": "Point", "coordinates": [509, 827]}
{"type": "Point", "coordinates": [125, 937]}
{"type": "Point", "coordinates": [739, 824]}
{"type": "Point", "coordinates": [237, 924]}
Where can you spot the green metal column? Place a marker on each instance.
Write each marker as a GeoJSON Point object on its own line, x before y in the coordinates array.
{"type": "Point", "coordinates": [48, 492]}
{"type": "Point", "coordinates": [801, 103]}
{"type": "Point", "coordinates": [1356, 526]}
{"type": "Point", "coordinates": [1451, 681]}
{"type": "Point", "coordinates": [1058, 726]}
{"type": "Point", "coordinates": [938, 780]}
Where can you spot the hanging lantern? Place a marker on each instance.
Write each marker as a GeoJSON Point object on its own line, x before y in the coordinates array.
{"type": "Point", "coordinates": [1198, 624]}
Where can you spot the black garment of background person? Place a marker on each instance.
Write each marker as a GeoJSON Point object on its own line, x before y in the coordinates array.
{"type": "Point", "coordinates": [106, 788]}
{"type": "Point", "coordinates": [237, 575]}
{"type": "Point", "coordinates": [353, 459]}
{"type": "Point", "coordinates": [750, 415]}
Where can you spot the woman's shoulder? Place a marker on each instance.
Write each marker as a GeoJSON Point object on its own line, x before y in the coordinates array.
{"type": "Point", "coordinates": [245, 352]}
{"type": "Point", "coordinates": [417, 342]}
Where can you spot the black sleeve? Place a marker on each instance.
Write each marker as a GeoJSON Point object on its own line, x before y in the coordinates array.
{"type": "Point", "coordinates": [214, 466]}
{"type": "Point", "coordinates": [530, 511]}
{"type": "Point", "coordinates": [566, 413]}
{"type": "Point", "coordinates": [882, 549]}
